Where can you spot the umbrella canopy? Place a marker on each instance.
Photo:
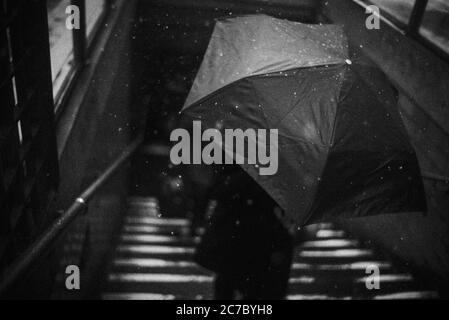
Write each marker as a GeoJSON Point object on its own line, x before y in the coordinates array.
{"type": "Point", "coordinates": [342, 148]}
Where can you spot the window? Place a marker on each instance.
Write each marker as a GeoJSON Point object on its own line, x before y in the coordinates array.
{"type": "Point", "coordinates": [400, 10]}
{"type": "Point", "coordinates": [94, 12]}
{"type": "Point", "coordinates": [69, 48]}
{"type": "Point", "coordinates": [424, 20]}
{"type": "Point", "coordinates": [61, 44]}
{"type": "Point", "coordinates": [435, 23]}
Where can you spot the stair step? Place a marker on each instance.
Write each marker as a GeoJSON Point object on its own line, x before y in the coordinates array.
{"type": "Point", "coordinates": [329, 234]}
{"type": "Point", "coordinates": [157, 221]}
{"type": "Point", "coordinates": [329, 244]}
{"type": "Point", "coordinates": [312, 296]}
{"type": "Point", "coordinates": [156, 229]}
{"type": "Point", "coordinates": [155, 251]}
{"type": "Point", "coordinates": [195, 269]}
{"type": "Point", "coordinates": [154, 296]}
{"type": "Point", "coordinates": [338, 256]}
{"type": "Point", "coordinates": [149, 201]}
{"type": "Point", "coordinates": [137, 296]}
{"type": "Point", "coordinates": [157, 266]}
{"type": "Point", "coordinates": [335, 254]}
{"type": "Point", "coordinates": [408, 295]}
{"type": "Point", "coordinates": [338, 269]}
{"type": "Point", "coordinates": [143, 206]}
{"type": "Point", "coordinates": [348, 285]}
{"type": "Point", "coordinates": [391, 296]}
{"type": "Point", "coordinates": [172, 284]}
{"type": "Point", "coordinates": [157, 239]}
{"type": "Point", "coordinates": [159, 278]}
{"type": "Point", "coordinates": [358, 265]}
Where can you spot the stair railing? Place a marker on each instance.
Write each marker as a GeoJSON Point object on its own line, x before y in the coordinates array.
{"type": "Point", "coordinates": [43, 241]}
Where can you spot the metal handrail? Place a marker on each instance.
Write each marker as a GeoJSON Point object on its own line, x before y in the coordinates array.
{"type": "Point", "coordinates": [34, 251]}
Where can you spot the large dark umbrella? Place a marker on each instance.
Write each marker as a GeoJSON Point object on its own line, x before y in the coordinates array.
{"type": "Point", "coordinates": [343, 151]}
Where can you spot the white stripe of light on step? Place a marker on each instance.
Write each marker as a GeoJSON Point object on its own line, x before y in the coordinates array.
{"type": "Point", "coordinates": [153, 263]}
{"type": "Point", "coordinates": [326, 225]}
{"type": "Point", "coordinates": [303, 279]}
{"type": "Point", "coordinates": [137, 296]}
{"type": "Point", "coordinates": [148, 201]}
{"type": "Point", "coordinates": [342, 253]}
{"type": "Point", "coordinates": [159, 278]}
{"type": "Point", "coordinates": [154, 249]}
{"type": "Point", "coordinates": [331, 243]}
{"type": "Point", "coordinates": [158, 221]}
{"type": "Point", "coordinates": [363, 265]}
{"type": "Point", "coordinates": [142, 229]}
{"type": "Point", "coordinates": [315, 297]}
{"type": "Point", "coordinates": [153, 238]}
{"type": "Point", "coordinates": [408, 295]}
{"type": "Point", "coordinates": [387, 278]}
{"type": "Point", "coordinates": [330, 234]}
{"type": "Point", "coordinates": [142, 212]}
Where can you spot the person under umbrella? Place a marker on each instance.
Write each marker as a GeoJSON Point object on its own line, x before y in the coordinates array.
{"type": "Point", "coordinates": [244, 243]}
{"type": "Point", "coordinates": [343, 150]}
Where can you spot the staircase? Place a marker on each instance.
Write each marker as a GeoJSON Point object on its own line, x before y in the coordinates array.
{"type": "Point", "coordinates": [153, 260]}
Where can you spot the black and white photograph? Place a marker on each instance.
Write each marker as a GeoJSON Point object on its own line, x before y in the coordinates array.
{"type": "Point", "coordinates": [206, 151]}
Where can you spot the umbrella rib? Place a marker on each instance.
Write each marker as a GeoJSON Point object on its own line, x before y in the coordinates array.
{"type": "Point", "coordinates": [339, 102]}
{"type": "Point", "coordinates": [287, 114]}
{"type": "Point", "coordinates": [309, 207]}
{"type": "Point", "coordinates": [289, 111]}
{"type": "Point", "coordinates": [267, 125]}
{"type": "Point", "coordinates": [265, 118]}
{"type": "Point", "coordinates": [294, 106]}
{"type": "Point", "coordinates": [231, 44]}
{"type": "Point", "coordinates": [300, 140]}
{"type": "Point", "coordinates": [249, 77]}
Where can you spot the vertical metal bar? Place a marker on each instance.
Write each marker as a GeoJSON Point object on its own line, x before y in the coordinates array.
{"type": "Point", "coordinates": [46, 88]}
{"type": "Point", "coordinates": [79, 35]}
{"type": "Point", "coordinates": [416, 16]}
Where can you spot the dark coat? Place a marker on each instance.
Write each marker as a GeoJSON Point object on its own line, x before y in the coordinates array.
{"type": "Point", "coordinates": [243, 235]}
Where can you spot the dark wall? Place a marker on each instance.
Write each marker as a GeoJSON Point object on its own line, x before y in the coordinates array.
{"type": "Point", "coordinates": [422, 80]}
